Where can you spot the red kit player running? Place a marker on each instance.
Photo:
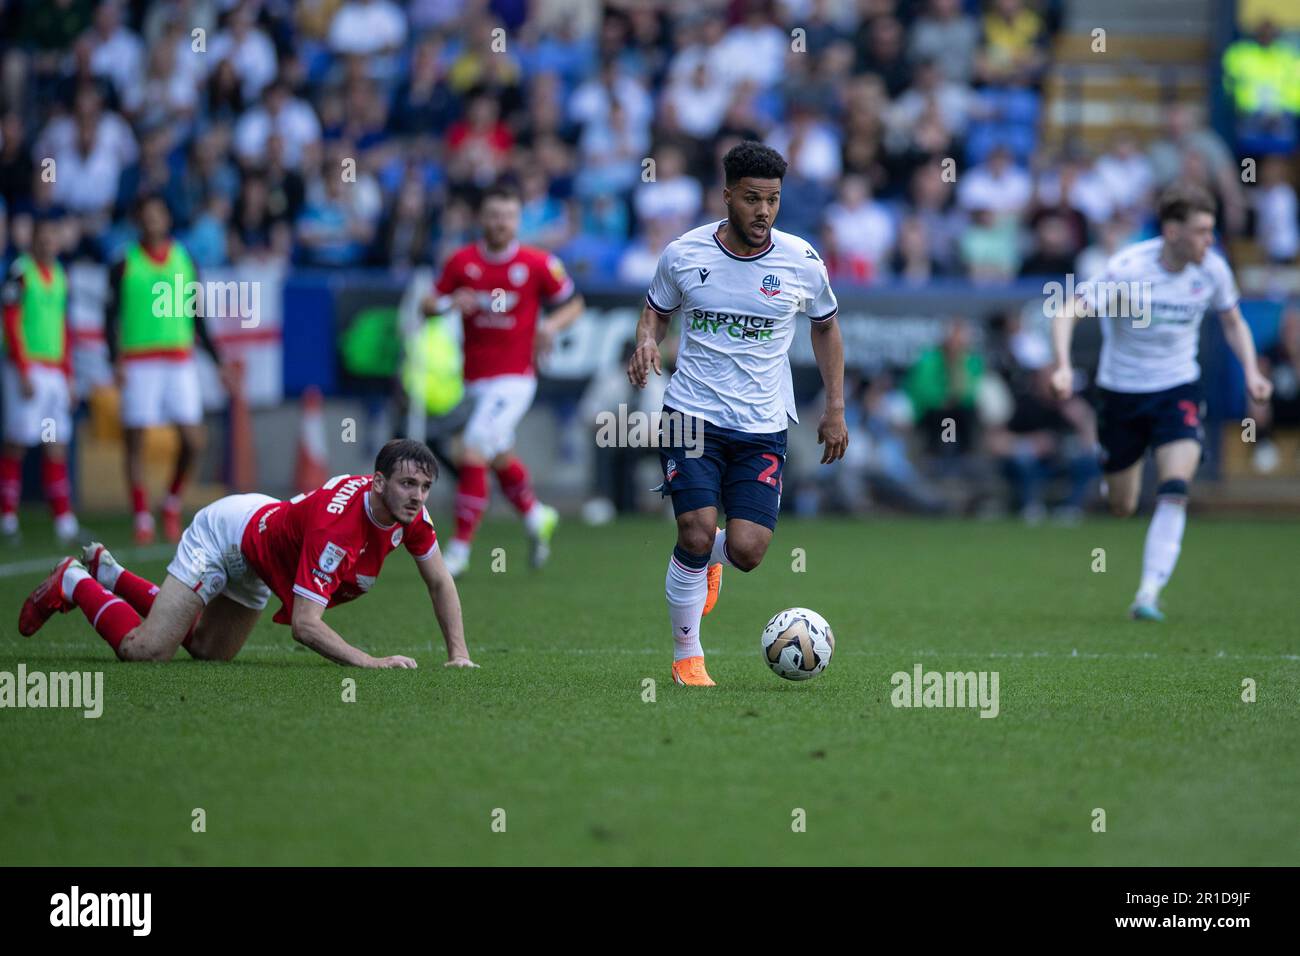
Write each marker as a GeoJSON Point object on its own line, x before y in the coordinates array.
{"type": "Point", "coordinates": [499, 287]}
{"type": "Point", "coordinates": [316, 551]}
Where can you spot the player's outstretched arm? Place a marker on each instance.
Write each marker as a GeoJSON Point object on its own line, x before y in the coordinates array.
{"type": "Point", "coordinates": [650, 331]}
{"type": "Point", "coordinates": [446, 605]}
{"type": "Point", "coordinates": [556, 321]}
{"type": "Point", "coordinates": [310, 630]}
{"type": "Point", "coordinates": [828, 348]}
{"type": "Point", "coordinates": [1062, 336]}
{"type": "Point", "coordinates": [1242, 343]}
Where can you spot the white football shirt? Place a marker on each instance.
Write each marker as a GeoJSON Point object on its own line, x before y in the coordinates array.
{"type": "Point", "coordinates": [1151, 318]}
{"type": "Point", "coordinates": [738, 320]}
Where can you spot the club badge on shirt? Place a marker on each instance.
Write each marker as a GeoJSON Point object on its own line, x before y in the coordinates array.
{"type": "Point", "coordinates": [331, 557]}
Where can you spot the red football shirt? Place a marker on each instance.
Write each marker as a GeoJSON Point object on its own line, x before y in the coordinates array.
{"type": "Point", "coordinates": [326, 546]}
{"type": "Point", "coordinates": [511, 287]}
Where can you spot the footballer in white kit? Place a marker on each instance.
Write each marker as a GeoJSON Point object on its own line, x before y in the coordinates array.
{"type": "Point", "coordinates": [1150, 300]}
{"type": "Point", "coordinates": [740, 286]}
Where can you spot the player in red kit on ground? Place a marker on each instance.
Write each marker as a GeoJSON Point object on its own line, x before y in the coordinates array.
{"type": "Point", "coordinates": [500, 287]}
{"type": "Point", "coordinates": [313, 552]}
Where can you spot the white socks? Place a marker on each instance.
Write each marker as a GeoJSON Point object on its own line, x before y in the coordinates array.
{"type": "Point", "coordinates": [719, 555]}
{"type": "Point", "coordinates": [1164, 541]}
{"type": "Point", "coordinates": [71, 578]}
{"type": "Point", "coordinates": [686, 586]}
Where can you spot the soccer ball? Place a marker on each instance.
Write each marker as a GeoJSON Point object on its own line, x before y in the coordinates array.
{"type": "Point", "coordinates": [798, 643]}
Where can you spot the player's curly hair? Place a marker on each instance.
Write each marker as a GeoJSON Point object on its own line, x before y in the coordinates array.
{"type": "Point", "coordinates": [751, 158]}
{"type": "Point", "coordinates": [406, 449]}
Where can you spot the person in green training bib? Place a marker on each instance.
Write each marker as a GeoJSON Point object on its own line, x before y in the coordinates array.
{"type": "Point", "coordinates": [37, 372]}
{"type": "Point", "coordinates": [150, 325]}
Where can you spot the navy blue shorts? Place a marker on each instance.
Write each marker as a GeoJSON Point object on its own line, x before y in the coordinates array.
{"type": "Point", "coordinates": [1129, 423]}
{"type": "Point", "coordinates": [741, 471]}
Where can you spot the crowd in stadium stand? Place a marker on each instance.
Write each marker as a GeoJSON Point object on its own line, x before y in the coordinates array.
{"type": "Point", "coordinates": [358, 133]}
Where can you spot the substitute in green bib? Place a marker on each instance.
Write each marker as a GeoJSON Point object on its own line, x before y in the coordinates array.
{"type": "Point", "coordinates": [37, 372]}
{"type": "Point", "coordinates": [153, 319]}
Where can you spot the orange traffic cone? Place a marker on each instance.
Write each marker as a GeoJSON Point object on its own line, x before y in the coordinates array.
{"type": "Point", "coordinates": [310, 471]}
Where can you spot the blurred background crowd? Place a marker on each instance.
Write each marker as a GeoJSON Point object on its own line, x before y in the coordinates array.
{"type": "Point", "coordinates": [912, 128]}
{"type": "Point", "coordinates": [929, 141]}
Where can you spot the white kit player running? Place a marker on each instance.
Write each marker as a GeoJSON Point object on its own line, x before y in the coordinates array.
{"type": "Point", "coordinates": [1150, 300]}
{"type": "Point", "coordinates": [740, 285]}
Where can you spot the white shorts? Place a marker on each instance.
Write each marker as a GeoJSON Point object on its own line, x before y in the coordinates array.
{"type": "Point", "coordinates": [44, 416]}
{"type": "Point", "coordinates": [161, 391]}
{"type": "Point", "coordinates": [209, 560]}
{"type": "Point", "coordinates": [499, 405]}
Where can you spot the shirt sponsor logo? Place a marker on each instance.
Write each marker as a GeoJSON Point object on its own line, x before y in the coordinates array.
{"type": "Point", "coordinates": [331, 558]}
{"type": "Point", "coordinates": [737, 326]}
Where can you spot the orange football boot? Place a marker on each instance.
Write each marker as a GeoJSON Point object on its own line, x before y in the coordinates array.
{"type": "Point", "coordinates": [715, 585]}
{"type": "Point", "coordinates": [690, 672]}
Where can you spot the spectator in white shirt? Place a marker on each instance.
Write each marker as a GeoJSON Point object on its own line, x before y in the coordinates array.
{"type": "Point", "coordinates": [368, 26]}
{"type": "Point", "coordinates": [861, 224]}
{"type": "Point", "coordinates": [997, 185]}
{"type": "Point", "coordinates": [282, 113]}
{"type": "Point", "coordinates": [112, 132]}
{"type": "Point", "coordinates": [696, 104]}
{"type": "Point", "coordinates": [1275, 212]}
{"type": "Point", "coordinates": [87, 173]}
{"type": "Point", "coordinates": [809, 144]}
{"type": "Point", "coordinates": [116, 54]}
{"type": "Point", "coordinates": [753, 50]}
{"type": "Point", "coordinates": [1125, 173]}
{"type": "Point", "coordinates": [952, 100]}
{"type": "Point", "coordinates": [698, 41]}
{"type": "Point", "coordinates": [593, 100]}
{"type": "Point", "coordinates": [671, 197]}
{"type": "Point", "coordinates": [249, 49]}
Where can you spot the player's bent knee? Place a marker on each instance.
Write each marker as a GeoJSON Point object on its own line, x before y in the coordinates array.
{"type": "Point", "coordinates": [1122, 508]}
{"type": "Point", "coordinates": [746, 558]}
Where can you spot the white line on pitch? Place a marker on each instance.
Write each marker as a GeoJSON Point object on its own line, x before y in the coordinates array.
{"type": "Point", "coordinates": [147, 553]}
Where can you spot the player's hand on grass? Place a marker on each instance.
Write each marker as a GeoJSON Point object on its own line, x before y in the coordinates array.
{"type": "Point", "coordinates": [1062, 382]}
{"type": "Point", "coordinates": [460, 662]}
{"type": "Point", "coordinates": [834, 434]}
{"type": "Point", "coordinates": [1258, 387]}
{"type": "Point", "coordinates": [396, 661]}
{"type": "Point", "coordinates": [645, 358]}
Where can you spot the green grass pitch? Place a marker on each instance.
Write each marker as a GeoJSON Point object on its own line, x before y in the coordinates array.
{"type": "Point", "coordinates": [1144, 721]}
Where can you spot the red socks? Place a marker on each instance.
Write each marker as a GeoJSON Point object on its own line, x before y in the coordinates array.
{"type": "Point", "coordinates": [471, 500]}
{"type": "Point", "coordinates": [136, 591]}
{"type": "Point", "coordinates": [11, 484]}
{"type": "Point", "coordinates": [54, 475]}
{"type": "Point", "coordinates": [516, 486]}
{"type": "Point", "coordinates": [110, 616]}
{"type": "Point", "coordinates": [139, 500]}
